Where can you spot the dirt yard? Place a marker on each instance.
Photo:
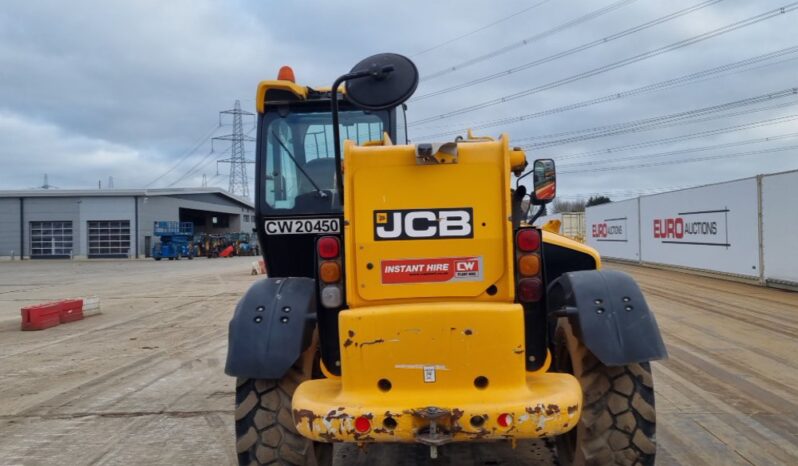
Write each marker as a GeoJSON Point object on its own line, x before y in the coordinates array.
{"type": "Point", "coordinates": [143, 382]}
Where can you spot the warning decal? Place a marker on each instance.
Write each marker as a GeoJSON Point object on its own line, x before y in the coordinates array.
{"type": "Point", "coordinates": [436, 270]}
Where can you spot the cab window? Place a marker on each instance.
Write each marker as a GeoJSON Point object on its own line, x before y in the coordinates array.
{"type": "Point", "coordinates": [300, 159]}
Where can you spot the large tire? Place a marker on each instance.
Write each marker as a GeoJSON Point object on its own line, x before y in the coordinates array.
{"type": "Point", "coordinates": [618, 421]}
{"type": "Point", "coordinates": [265, 431]}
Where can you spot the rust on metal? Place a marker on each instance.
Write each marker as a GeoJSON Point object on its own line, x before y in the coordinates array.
{"type": "Point", "coordinates": [335, 414]}
{"type": "Point", "coordinates": [300, 414]}
{"type": "Point", "coordinates": [329, 437]}
{"type": "Point", "coordinates": [551, 410]}
{"type": "Point", "coordinates": [431, 412]}
{"type": "Point", "coordinates": [348, 342]}
{"type": "Point", "coordinates": [372, 342]}
{"type": "Point", "coordinates": [537, 410]}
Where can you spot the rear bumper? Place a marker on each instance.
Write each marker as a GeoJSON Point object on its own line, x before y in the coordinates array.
{"type": "Point", "coordinates": [431, 356]}
{"type": "Point", "coordinates": [550, 405]}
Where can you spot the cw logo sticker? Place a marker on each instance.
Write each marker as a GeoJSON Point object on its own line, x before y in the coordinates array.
{"type": "Point", "coordinates": [423, 224]}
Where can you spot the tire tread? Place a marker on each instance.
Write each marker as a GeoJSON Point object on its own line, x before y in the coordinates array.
{"type": "Point", "coordinates": [265, 429]}
{"type": "Point", "coordinates": [630, 438]}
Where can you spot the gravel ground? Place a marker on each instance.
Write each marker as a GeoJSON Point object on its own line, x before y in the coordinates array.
{"type": "Point", "coordinates": [143, 382]}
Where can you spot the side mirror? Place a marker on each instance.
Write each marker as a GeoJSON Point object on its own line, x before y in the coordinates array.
{"type": "Point", "coordinates": [379, 82]}
{"type": "Point", "coordinates": [544, 181]}
{"type": "Point", "coordinates": [382, 81]}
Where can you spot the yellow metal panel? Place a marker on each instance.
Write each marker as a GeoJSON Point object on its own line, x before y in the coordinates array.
{"type": "Point", "coordinates": [381, 178]}
{"type": "Point", "coordinates": [553, 238]}
{"type": "Point", "coordinates": [462, 340]}
{"type": "Point", "coordinates": [264, 86]}
{"type": "Point", "coordinates": [431, 354]}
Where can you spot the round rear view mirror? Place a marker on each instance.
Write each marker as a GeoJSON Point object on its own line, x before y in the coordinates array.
{"type": "Point", "coordinates": [391, 80]}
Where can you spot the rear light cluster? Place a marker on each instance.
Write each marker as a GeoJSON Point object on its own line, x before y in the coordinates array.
{"type": "Point", "coordinates": [331, 292]}
{"type": "Point", "coordinates": [528, 265]}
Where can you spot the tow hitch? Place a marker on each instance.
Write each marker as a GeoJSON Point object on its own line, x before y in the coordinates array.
{"type": "Point", "coordinates": [439, 431]}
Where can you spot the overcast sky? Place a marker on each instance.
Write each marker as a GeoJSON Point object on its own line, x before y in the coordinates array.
{"type": "Point", "coordinates": [92, 89]}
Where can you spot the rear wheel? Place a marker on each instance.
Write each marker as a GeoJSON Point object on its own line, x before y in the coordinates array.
{"type": "Point", "coordinates": [618, 419]}
{"type": "Point", "coordinates": [265, 430]}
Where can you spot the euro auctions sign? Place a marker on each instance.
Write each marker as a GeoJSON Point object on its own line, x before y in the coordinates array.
{"type": "Point", "coordinates": [701, 228]}
{"type": "Point", "coordinates": [610, 229]}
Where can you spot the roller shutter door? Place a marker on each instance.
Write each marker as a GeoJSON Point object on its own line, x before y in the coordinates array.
{"type": "Point", "coordinates": [50, 240]}
{"type": "Point", "coordinates": [109, 238]}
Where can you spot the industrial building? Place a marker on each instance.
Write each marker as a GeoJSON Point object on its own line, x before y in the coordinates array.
{"type": "Point", "coordinates": [110, 223]}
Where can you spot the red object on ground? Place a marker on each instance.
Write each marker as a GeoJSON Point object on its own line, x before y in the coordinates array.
{"type": "Point", "coordinates": [226, 252]}
{"type": "Point", "coordinates": [41, 316]}
{"type": "Point", "coordinates": [71, 310]}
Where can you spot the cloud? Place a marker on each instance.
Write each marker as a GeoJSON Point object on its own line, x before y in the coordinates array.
{"type": "Point", "coordinates": [128, 88]}
{"type": "Point", "coordinates": [34, 148]}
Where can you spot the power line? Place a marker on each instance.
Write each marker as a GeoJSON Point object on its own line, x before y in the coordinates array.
{"type": "Point", "coordinates": [206, 159]}
{"type": "Point", "coordinates": [621, 63]}
{"type": "Point", "coordinates": [681, 138]}
{"type": "Point", "coordinates": [666, 121]}
{"type": "Point", "coordinates": [203, 161]}
{"type": "Point", "coordinates": [712, 73]}
{"type": "Point", "coordinates": [656, 122]}
{"type": "Point", "coordinates": [462, 36]}
{"type": "Point", "coordinates": [571, 51]}
{"type": "Point", "coordinates": [574, 22]}
{"type": "Point", "coordinates": [681, 151]}
{"type": "Point", "coordinates": [183, 157]}
{"type": "Point", "coordinates": [624, 192]}
{"type": "Point", "coordinates": [681, 161]}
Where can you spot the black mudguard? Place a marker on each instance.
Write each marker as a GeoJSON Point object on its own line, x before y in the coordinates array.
{"type": "Point", "coordinates": [272, 325]}
{"type": "Point", "coordinates": [609, 314]}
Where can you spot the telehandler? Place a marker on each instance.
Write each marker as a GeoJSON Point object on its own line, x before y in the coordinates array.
{"type": "Point", "coordinates": [410, 299]}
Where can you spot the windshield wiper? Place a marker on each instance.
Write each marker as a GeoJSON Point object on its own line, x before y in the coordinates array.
{"type": "Point", "coordinates": [282, 144]}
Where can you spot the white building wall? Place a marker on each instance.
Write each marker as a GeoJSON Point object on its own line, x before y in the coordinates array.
{"type": "Point", "coordinates": [780, 227]}
{"type": "Point", "coordinates": [711, 227]}
{"type": "Point", "coordinates": [613, 229]}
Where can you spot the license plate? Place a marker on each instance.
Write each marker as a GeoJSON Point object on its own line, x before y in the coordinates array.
{"type": "Point", "coordinates": [302, 226]}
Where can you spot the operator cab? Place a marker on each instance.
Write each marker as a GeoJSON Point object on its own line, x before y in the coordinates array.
{"type": "Point", "coordinates": [297, 197]}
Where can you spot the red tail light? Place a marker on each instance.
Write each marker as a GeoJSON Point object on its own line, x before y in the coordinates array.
{"type": "Point", "coordinates": [362, 424]}
{"type": "Point", "coordinates": [505, 419]}
{"type": "Point", "coordinates": [530, 290]}
{"type": "Point", "coordinates": [329, 247]}
{"type": "Point", "coordinates": [528, 239]}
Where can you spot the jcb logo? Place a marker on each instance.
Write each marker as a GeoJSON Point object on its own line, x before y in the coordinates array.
{"type": "Point", "coordinates": [423, 224]}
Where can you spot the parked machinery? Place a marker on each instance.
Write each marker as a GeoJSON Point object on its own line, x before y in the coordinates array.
{"type": "Point", "coordinates": [176, 240]}
{"type": "Point", "coordinates": [224, 245]}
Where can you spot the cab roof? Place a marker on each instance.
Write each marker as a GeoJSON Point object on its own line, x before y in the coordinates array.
{"type": "Point", "coordinates": [281, 90]}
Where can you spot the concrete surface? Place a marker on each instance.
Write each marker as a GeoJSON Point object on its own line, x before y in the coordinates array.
{"type": "Point", "coordinates": [142, 383]}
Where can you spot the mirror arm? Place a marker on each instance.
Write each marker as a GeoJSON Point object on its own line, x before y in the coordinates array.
{"type": "Point", "coordinates": [524, 175]}
{"type": "Point", "coordinates": [336, 129]}
{"type": "Point", "coordinates": [537, 214]}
